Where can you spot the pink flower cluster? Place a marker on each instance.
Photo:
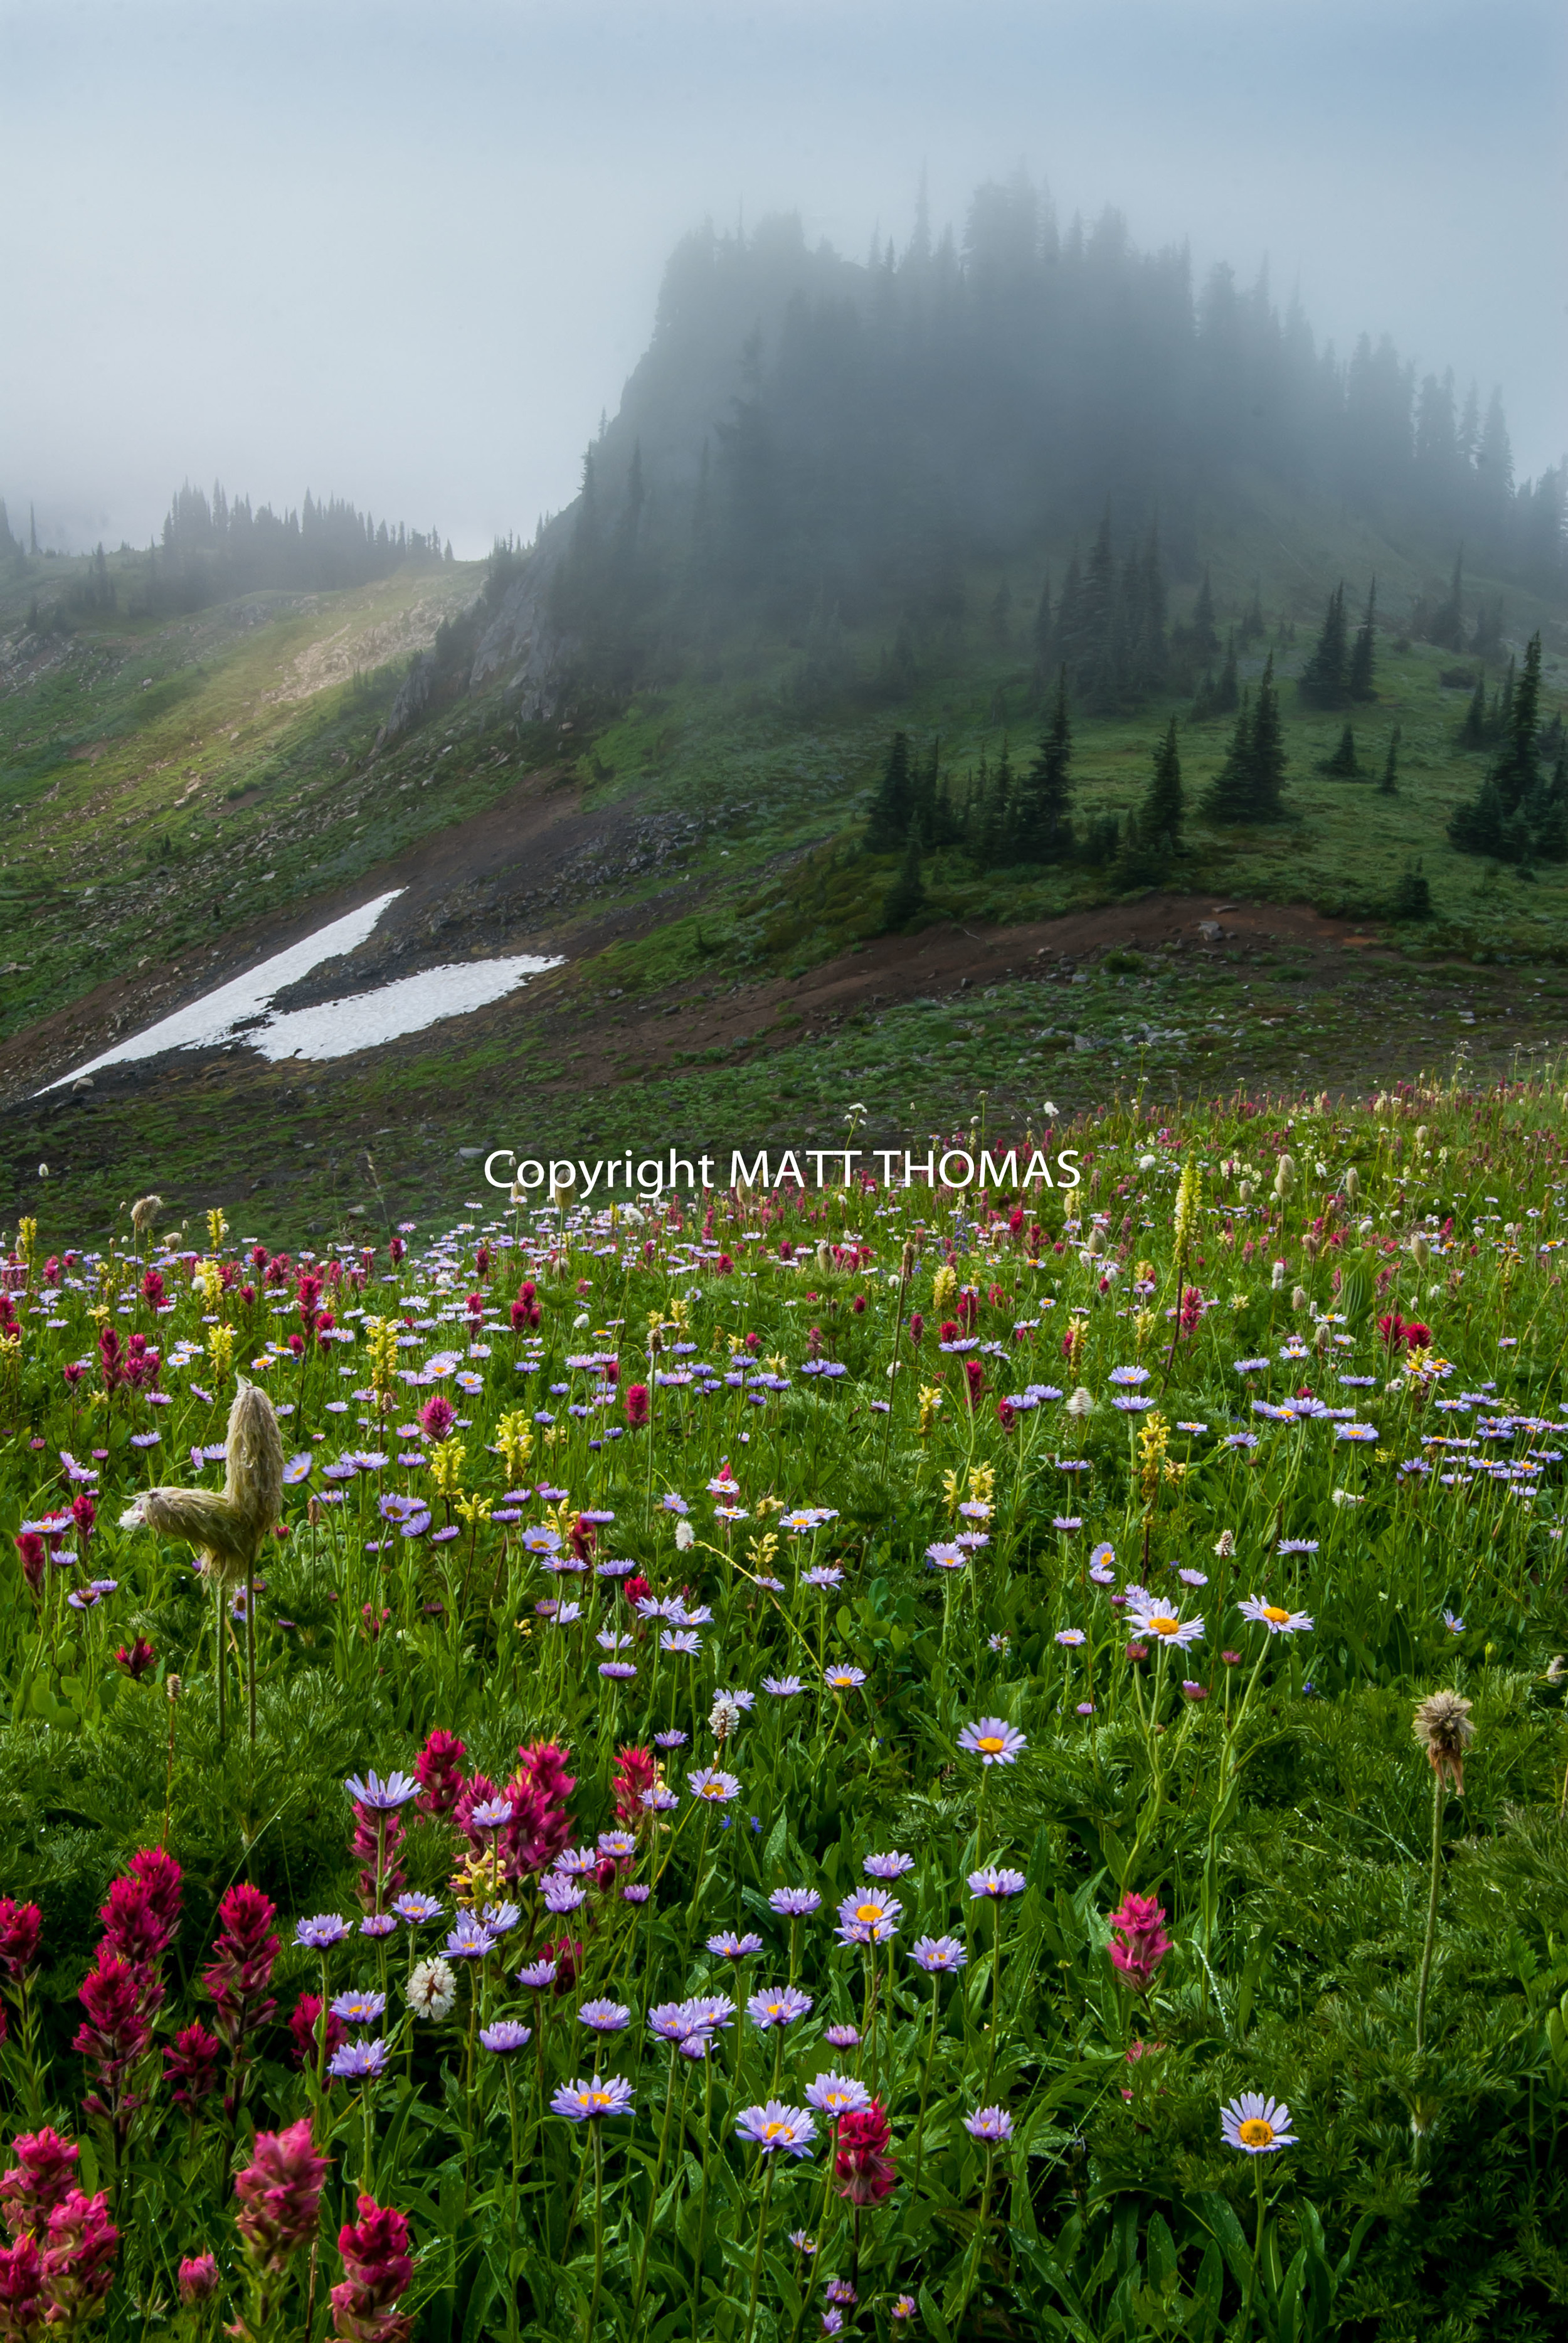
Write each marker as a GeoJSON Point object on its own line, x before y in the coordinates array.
{"type": "Point", "coordinates": [1138, 1927]}
{"type": "Point", "coordinates": [122, 1992]}
{"type": "Point", "coordinates": [377, 2267]}
{"type": "Point", "coordinates": [60, 2263]}
{"type": "Point", "coordinates": [537, 1793]}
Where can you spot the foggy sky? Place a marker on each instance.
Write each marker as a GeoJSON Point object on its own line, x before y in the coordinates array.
{"type": "Point", "coordinates": [407, 253]}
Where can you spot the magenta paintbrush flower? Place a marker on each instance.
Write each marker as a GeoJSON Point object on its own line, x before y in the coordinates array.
{"type": "Point", "coordinates": [279, 2194]}
{"type": "Point", "coordinates": [1140, 1942]}
{"type": "Point", "coordinates": [376, 2270]}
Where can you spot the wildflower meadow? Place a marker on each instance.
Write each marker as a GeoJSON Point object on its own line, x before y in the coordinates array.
{"type": "Point", "coordinates": [759, 1764]}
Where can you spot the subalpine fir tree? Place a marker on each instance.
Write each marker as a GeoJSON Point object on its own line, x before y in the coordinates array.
{"type": "Point", "coordinates": [1043, 826]}
{"type": "Point", "coordinates": [1267, 748]}
{"type": "Point", "coordinates": [1042, 623]}
{"type": "Point", "coordinates": [1160, 817]}
{"type": "Point", "coordinates": [907, 895]}
{"type": "Point", "coordinates": [1362, 679]}
{"type": "Point", "coordinates": [1229, 796]}
{"type": "Point", "coordinates": [1518, 766]}
{"type": "Point", "coordinates": [1205, 640]}
{"type": "Point", "coordinates": [1228, 691]}
{"type": "Point", "coordinates": [1388, 780]}
{"type": "Point", "coordinates": [893, 805]}
{"type": "Point", "coordinates": [1472, 731]}
{"type": "Point", "coordinates": [1344, 764]}
{"type": "Point", "coordinates": [1477, 827]}
{"type": "Point", "coordinates": [1446, 628]}
{"type": "Point", "coordinates": [1324, 679]}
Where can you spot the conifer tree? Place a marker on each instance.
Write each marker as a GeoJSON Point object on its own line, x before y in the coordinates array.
{"type": "Point", "coordinates": [1323, 679]}
{"type": "Point", "coordinates": [1205, 640]}
{"type": "Point", "coordinates": [1363, 683]}
{"type": "Point", "coordinates": [1229, 796]}
{"type": "Point", "coordinates": [893, 805]}
{"type": "Point", "coordinates": [1267, 748]}
{"type": "Point", "coordinates": [1228, 691]}
{"type": "Point", "coordinates": [907, 895]}
{"type": "Point", "coordinates": [1342, 764]}
{"type": "Point", "coordinates": [1477, 826]}
{"type": "Point", "coordinates": [1472, 731]}
{"type": "Point", "coordinates": [1160, 818]}
{"type": "Point", "coordinates": [1518, 766]}
{"type": "Point", "coordinates": [1044, 826]}
{"type": "Point", "coordinates": [1388, 780]}
{"type": "Point", "coordinates": [1446, 625]}
{"type": "Point", "coordinates": [1042, 626]}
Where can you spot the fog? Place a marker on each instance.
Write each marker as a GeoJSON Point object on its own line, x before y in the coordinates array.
{"type": "Point", "coordinates": [408, 255]}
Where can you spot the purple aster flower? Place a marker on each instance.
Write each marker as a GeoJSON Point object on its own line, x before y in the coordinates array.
{"type": "Point", "coordinates": [888, 1866]}
{"type": "Point", "coordinates": [537, 1976]}
{"type": "Point", "coordinates": [996, 1885]}
{"type": "Point", "coordinates": [467, 1941]}
{"type": "Point", "coordinates": [506, 2035]}
{"type": "Point", "coordinates": [869, 1915]}
{"type": "Point", "coordinates": [708, 1782]}
{"type": "Point", "coordinates": [378, 1923]}
{"type": "Point", "coordinates": [838, 2095]}
{"type": "Point", "coordinates": [730, 1947]}
{"type": "Point", "coordinates": [841, 2038]}
{"type": "Point", "coordinates": [416, 1909]}
{"type": "Point", "coordinates": [938, 1956]}
{"type": "Point", "coordinates": [993, 1741]}
{"type": "Point", "coordinates": [318, 1935]}
{"type": "Point", "coordinates": [588, 2101]}
{"type": "Point", "coordinates": [779, 2007]}
{"type": "Point", "coordinates": [382, 1797]}
{"type": "Point", "coordinates": [604, 2017]}
{"type": "Point", "coordinates": [359, 2009]}
{"type": "Point", "coordinates": [358, 2062]}
{"type": "Point", "coordinates": [775, 2126]}
{"type": "Point", "coordinates": [992, 2125]}
{"type": "Point", "coordinates": [781, 1687]}
{"type": "Point", "coordinates": [795, 1903]}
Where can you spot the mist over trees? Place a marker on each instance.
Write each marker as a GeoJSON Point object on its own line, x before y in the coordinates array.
{"type": "Point", "coordinates": [211, 548]}
{"type": "Point", "coordinates": [815, 445]}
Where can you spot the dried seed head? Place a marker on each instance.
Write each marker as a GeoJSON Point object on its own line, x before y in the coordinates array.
{"type": "Point", "coordinates": [1419, 1250]}
{"type": "Point", "coordinates": [1442, 1726]}
{"type": "Point", "coordinates": [1556, 1668]}
{"type": "Point", "coordinates": [1285, 1177]}
{"type": "Point", "coordinates": [142, 1213]}
{"type": "Point", "coordinates": [1353, 1184]}
{"type": "Point", "coordinates": [1298, 1298]}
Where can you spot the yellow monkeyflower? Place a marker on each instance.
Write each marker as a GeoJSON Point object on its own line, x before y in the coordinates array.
{"type": "Point", "coordinates": [381, 1340]}
{"type": "Point", "coordinates": [1153, 1439]}
{"type": "Point", "coordinates": [446, 1467]}
{"type": "Point", "coordinates": [515, 1439]}
{"type": "Point", "coordinates": [1189, 1190]}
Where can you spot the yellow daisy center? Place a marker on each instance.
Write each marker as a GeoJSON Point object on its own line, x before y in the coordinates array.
{"type": "Point", "coordinates": [989, 1744]}
{"type": "Point", "coordinates": [1164, 1626]}
{"type": "Point", "coordinates": [1255, 2132]}
{"type": "Point", "coordinates": [867, 1911]}
{"type": "Point", "coordinates": [1272, 1611]}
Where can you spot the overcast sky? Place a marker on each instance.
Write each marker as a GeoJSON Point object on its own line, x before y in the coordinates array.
{"type": "Point", "coordinates": [406, 253]}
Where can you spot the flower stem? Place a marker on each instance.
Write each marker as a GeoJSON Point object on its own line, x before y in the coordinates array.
{"type": "Point", "coordinates": [1426, 1951]}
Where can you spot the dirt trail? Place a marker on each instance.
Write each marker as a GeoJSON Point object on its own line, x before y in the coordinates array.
{"type": "Point", "coordinates": [523, 875]}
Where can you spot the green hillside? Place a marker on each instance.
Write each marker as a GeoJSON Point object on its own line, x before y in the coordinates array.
{"type": "Point", "coordinates": [657, 742]}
